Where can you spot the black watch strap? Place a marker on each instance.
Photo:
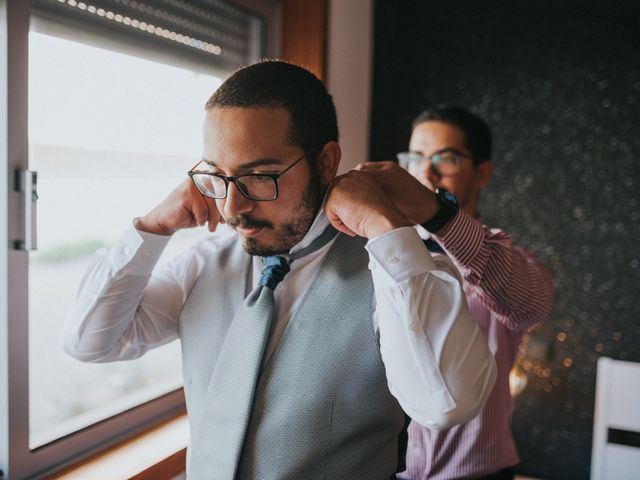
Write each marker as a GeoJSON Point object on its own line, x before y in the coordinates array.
{"type": "Point", "coordinates": [448, 208]}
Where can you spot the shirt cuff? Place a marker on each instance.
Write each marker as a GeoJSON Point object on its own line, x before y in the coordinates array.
{"type": "Point", "coordinates": [462, 237]}
{"type": "Point", "coordinates": [137, 252]}
{"type": "Point", "coordinates": [398, 255]}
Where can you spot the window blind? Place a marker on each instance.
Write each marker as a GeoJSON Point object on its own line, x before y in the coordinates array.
{"type": "Point", "coordinates": [219, 32]}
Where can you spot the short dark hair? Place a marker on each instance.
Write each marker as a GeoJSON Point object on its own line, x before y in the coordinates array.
{"type": "Point", "coordinates": [278, 84]}
{"type": "Point", "coordinates": [477, 134]}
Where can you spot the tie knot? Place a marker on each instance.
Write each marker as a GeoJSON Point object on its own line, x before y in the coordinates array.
{"type": "Point", "coordinates": [274, 270]}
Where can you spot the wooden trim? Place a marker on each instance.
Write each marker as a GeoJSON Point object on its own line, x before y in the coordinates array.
{"type": "Point", "coordinates": [166, 469]}
{"type": "Point", "coordinates": [304, 34]}
{"type": "Point", "coordinates": [158, 454]}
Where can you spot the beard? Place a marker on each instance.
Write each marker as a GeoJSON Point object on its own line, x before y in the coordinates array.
{"type": "Point", "coordinates": [289, 233]}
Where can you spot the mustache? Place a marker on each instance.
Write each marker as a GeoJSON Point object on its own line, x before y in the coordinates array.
{"type": "Point", "coordinates": [245, 221]}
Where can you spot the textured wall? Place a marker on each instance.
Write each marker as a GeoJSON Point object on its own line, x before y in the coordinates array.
{"type": "Point", "coordinates": [559, 83]}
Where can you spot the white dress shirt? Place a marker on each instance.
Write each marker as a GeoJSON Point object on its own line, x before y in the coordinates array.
{"type": "Point", "coordinates": [438, 364]}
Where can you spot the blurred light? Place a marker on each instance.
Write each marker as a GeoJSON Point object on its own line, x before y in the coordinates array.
{"type": "Point", "coordinates": [517, 381]}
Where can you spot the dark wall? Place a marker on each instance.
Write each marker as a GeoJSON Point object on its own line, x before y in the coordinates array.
{"type": "Point", "coordinates": [559, 83]}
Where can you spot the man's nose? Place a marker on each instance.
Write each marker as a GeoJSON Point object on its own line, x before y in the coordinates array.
{"type": "Point", "coordinates": [236, 203]}
{"type": "Point", "coordinates": [432, 175]}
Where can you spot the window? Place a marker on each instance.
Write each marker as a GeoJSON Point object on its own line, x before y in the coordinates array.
{"type": "Point", "coordinates": [109, 135]}
{"type": "Point", "coordinates": [115, 91]}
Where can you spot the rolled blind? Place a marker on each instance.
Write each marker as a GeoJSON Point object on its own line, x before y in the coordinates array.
{"type": "Point", "coordinates": [214, 30]}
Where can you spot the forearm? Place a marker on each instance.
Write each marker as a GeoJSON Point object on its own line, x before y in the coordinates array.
{"type": "Point", "coordinates": [113, 318]}
{"type": "Point", "coordinates": [438, 364]}
{"type": "Point", "coordinates": [507, 279]}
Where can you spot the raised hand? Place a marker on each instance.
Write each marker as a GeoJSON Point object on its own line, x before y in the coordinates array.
{"type": "Point", "coordinates": [184, 207]}
{"type": "Point", "coordinates": [412, 198]}
{"type": "Point", "coordinates": [357, 205]}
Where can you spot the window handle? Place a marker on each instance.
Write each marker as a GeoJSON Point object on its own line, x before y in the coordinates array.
{"type": "Point", "coordinates": [27, 183]}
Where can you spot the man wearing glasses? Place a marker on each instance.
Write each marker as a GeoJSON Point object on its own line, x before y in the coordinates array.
{"type": "Point", "coordinates": [507, 289]}
{"type": "Point", "coordinates": [302, 341]}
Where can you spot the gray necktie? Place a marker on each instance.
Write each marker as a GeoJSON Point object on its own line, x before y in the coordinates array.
{"type": "Point", "coordinates": [229, 397]}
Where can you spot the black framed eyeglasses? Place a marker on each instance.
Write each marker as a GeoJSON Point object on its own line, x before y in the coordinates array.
{"type": "Point", "coordinates": [259, 187]}
{"type": "Point", "coordinates": [446, 162]}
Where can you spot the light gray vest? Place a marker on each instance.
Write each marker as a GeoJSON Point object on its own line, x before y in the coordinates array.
{"type": "Point", "coordinates": [322, 408]}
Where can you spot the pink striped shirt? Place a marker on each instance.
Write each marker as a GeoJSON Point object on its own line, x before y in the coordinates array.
{"type": "Point", "coordinates": [508, 291]}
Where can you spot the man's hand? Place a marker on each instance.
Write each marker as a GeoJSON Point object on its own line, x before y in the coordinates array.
{"type": "Point", "coordinates": [415, 201]}
{"type": "Point", "coordinates": [185, 207]}
{"type": "Point", "coordinates": [357, 205]}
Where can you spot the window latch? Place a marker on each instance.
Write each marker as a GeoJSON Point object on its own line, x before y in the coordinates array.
{"type": "Point", "coordinates": [26, 182]}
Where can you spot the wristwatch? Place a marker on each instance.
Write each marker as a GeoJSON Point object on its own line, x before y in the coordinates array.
{"type": "Point", "coordinates": [448, 208]}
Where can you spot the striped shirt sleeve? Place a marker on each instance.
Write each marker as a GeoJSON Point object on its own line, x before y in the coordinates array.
{"type": "Point", "coordinates": [508, 279]}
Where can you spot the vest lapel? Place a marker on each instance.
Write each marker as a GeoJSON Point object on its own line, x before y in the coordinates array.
{"type": "Point", "coordinates": [230, 276]}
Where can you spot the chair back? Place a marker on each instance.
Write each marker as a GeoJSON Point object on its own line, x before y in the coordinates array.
{"type": "Point", "coordinates": [616, 424]}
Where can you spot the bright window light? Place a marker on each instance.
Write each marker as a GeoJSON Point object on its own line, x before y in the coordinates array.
{"type": "Point", "coordinates": [110, 136]}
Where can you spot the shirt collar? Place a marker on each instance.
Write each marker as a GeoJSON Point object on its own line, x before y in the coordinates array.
{"type": "Point", "coordinates": [423, 232]}
{"type": "Point", "coordinates": [320, 223]}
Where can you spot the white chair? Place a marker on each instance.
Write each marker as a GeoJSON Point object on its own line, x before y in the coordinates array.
{"type": "Point", "coordinates": [616, 424]}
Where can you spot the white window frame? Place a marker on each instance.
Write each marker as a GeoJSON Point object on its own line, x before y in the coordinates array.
{"type": "Point", "coordinates": [17, 460]}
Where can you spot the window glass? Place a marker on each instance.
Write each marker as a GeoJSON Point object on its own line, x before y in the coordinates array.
{"type": "Point", "coordinates": [110, 136]}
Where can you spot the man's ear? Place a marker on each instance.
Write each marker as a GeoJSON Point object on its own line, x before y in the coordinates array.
{"type": "Point", "coordinates": [484, 171]}
{"type": "Point", "coordinates": [327, 162]}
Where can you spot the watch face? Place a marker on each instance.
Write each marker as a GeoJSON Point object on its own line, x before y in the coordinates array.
{"type": "Point", "coordinates": [448, 196]}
